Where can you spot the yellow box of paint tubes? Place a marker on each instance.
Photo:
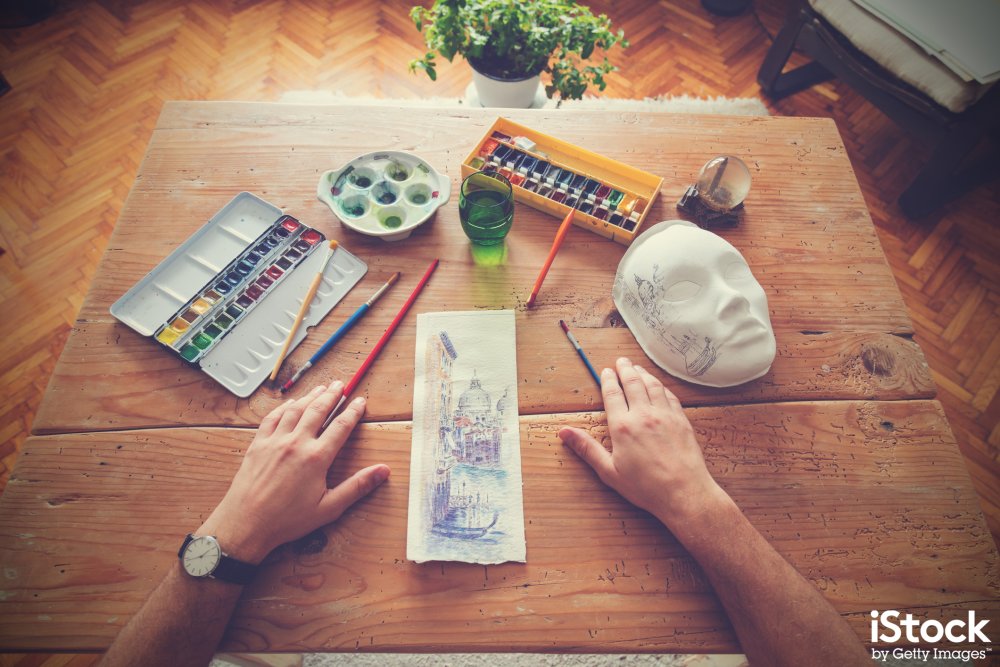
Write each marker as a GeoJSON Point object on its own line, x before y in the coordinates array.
{"type": "Point", "coordinates": [552, 175]}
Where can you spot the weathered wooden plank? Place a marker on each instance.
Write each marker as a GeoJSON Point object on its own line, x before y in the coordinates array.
{"type": "Point", "coordinates": [111, 379]}
{"type": "Point", "coordinates": [806, 234]}
{"type": "Point", "coordinates": [869, 500]}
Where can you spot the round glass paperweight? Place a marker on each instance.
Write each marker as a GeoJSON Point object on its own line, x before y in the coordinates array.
{"type": "Point", "coordinates": [723, 183]}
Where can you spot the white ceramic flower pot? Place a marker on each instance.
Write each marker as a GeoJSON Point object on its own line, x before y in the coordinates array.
{"type": "Point", "coordinates": [519, 93]}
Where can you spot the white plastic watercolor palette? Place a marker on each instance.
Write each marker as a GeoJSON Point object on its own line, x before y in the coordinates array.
{"type": "Point", "coordinates": [226, 299]}
{"type": "Point", "coordinates": [385, 194]}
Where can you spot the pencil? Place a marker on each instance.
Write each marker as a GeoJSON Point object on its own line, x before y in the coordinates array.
{"type": "Point", "coordinates": [579, 350]}
{"type": "Point", "coordinates": [560, 235]}
{"type": "Point", "coordinates": [305, 308]}
{"type": "Point", "coordinates": [352, 385]}
{"type": "Point", "coordinates": [339, 333]}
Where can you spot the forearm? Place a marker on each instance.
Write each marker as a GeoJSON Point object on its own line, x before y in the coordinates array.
{"type": "Point", "coordinates": [779, 617]}
{"type": "Point", "coordinates": [180, 624]}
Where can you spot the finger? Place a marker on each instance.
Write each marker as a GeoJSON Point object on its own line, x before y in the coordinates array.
{"type": "Point", "coordinates": [654, 388]}
{"type": "Point", "coordinates": [339, 430]}
{"type": "Point", "coordinates": [290, 418]}
{"type": "Point", "coordinates": [614, 397]}
{"type": "Point", "coordinates": [336, 500]}
{"type": "Point", "coordinates": [632, 384]}
{"type": "Point", "coordinates": [270, 422]}
{"type": "Point", "coordinates": [316, 412]}
{"type": "Point", "coordinates": [675, 403]}
{"type": "Point", "coordinates": [591, 451]}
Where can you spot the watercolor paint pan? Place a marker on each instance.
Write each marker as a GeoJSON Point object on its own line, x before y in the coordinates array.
{"type": "Point", "coordinates": [613, 189]}
{"type": "Point", "coordinates": [257, 275]}
{"type": "Point", "coordinates": [235, 340]}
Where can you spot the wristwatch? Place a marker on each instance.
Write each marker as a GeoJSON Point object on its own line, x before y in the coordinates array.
{"type": "Point", "coordinates": [203, 557]}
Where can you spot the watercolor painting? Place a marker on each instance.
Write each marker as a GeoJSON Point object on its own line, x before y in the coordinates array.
{"type": "Point", "coordinates": [465, 486]}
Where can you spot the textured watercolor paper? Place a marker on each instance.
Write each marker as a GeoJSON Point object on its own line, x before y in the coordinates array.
{"type": "Point", "coordinates": [465, 461]}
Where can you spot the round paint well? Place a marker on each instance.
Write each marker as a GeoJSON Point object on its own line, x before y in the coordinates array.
{"type": "Point", "coordinates": [385, 193]}
{"type": "Point", "coordinates": [362, 178]}
{"type": "Point", "coordinates": [392, 217]}
{"type": "Point", "coordinates": [397, 171]}
{"type": "Point", "coordinates": [418, 194]}
{"type": "Point", "coordinates": [354, 206]}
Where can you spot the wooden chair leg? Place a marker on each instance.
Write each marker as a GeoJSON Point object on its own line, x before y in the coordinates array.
{"type": "Point", "coordinates": [943, 178]}
{"type": "Point", "coordinates": [776, 84]}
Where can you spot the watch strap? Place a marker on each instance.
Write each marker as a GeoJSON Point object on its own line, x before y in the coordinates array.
{"type": "Point", "coordinates": [234, 571]}
{"type": "Point", "coordinates": [229, 569]}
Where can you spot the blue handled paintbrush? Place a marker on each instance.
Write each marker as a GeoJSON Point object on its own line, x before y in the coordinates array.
{"type": "Point", "coordinates": [579, 350]}
{"type": "Point", "coordinates": [339, 333]}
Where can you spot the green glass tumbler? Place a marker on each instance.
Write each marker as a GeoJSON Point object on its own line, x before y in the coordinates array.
{"type": "Point", "coordinates": [486, 207]}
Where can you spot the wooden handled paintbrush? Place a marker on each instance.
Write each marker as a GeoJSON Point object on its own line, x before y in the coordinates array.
{"type": "Point", "coordinates": [310, 295]}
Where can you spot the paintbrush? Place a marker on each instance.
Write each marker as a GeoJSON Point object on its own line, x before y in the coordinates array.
{"type": "Point", "coordinates": [560, 235]}
{"type": "Point", "coordinates": [579, 350]}
{"type": "Point", "coordinates": [352, 385]}
{"type": "Point", "coordinates": [339, 333]}
{"type": "Point", "coordinates": [305, 307]}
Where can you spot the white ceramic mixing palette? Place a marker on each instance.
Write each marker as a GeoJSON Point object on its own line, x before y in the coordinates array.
{"type": "Point", "coordinates": [385, 194]}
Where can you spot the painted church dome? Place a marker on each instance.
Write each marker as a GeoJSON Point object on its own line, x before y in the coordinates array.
{"type": "Point", "coordinates": [474, 400]}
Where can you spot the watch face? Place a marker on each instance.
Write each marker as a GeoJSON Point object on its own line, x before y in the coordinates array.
{"type": "Point", "coordinates": [201, 556]}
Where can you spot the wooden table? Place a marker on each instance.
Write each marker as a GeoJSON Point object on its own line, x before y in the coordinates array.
{"type": "Point", "coordinates": [839, 455]}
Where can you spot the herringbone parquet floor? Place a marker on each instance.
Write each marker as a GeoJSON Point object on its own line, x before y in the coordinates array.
{"type": "Point", "coordinates": [89, 81]}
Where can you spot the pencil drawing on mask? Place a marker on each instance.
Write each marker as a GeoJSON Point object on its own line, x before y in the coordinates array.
{"type": "Point", "coordinates": [465, 487]}
{"type": "Point", "coordinates": [698, 353]}
{"type": "Point", "coordinates": [694, 305]}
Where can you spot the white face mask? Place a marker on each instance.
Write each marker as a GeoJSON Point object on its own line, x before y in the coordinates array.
{"type": "Point", "coordinates": [694, 306]}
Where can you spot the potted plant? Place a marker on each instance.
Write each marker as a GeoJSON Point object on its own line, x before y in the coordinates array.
{"type": "Point", "coordinates": [510, 44]}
